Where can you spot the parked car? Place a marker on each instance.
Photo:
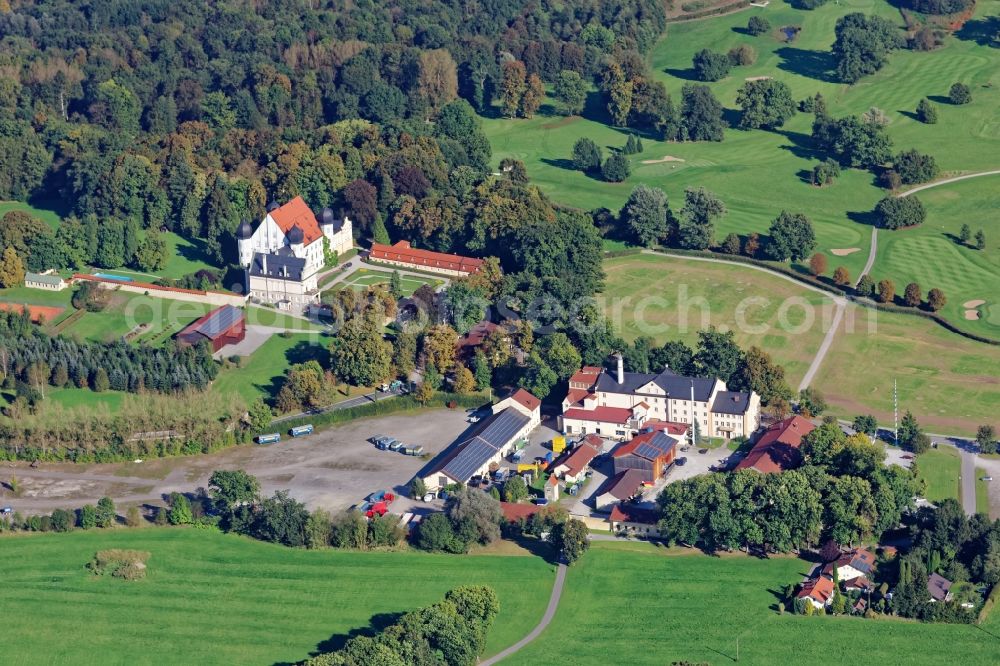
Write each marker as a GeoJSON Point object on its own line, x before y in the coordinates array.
{"type": "Point", "coordinates": [429, 497]}
{"type": "Point", "coordinates": [986, 478]}
{"type": "Point", "coordinates": [374, 439]}
{"type": "Point", "coordinates": [680, 462]}
{"type": "Point", "coordinates": [395, 445]}
{"type": "Point", "coordinates": [702, 450]}
{"type": "Point", "coordinates": [7, 510]}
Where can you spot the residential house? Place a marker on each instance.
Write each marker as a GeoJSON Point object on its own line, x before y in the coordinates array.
{"type": "Point", "coordinates": [939, 588]}
{"type": "Point", "coordinates": [514, 511]}
{"type": "Point", "coordinates": [651, 453]}
{"type": "Point", "coordinates": [777, 450]}
{"type": "Point", "coordinates": [490, 441]}
{"type": "Point", "coordinates": [619, 404]}
{"type": "Point", "coordinates": [402, 254]}
{"type": "Point", "coordinates": [286, 251]}
{"type": "Point", "coordinates": [631, 520]}
{"type": "Point", "coordinates": [854, 568]}
{"type": "Point", "coordinates": [620, 487]}
{"type": "Point", "coordinates": [222, 326]}
{"type": "Point", "coordinates": [817, 591]}
{"type": "Point", "coordinates": [573, 464]}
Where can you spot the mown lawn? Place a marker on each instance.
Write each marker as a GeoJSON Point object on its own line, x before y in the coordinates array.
{"type": "Point", "coordinates": [940, 470]}
{"type": "Point", "coordinates": [261, 374]}
{"type": "Point", "coordinates": [211, 598]}
{"type": "Point", "coordinates": [669, 298]}
{"type": "Point", "coordinates": [947, 381]}
{"type": "Point", "coordinates": [932, 255]}
{"type": "Point", "coordinates": [758, 173]}
{"type": "Point", "coordinates": [634, 604]}
{"type": "Point", "coordinates": [49, 217]}
{"type": "Point", "coordinates": [365, 277]}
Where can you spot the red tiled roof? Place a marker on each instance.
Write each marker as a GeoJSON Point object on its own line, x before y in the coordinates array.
{"type": "Point", "coordinates": [575, 396]}
{"type": "Point", "coordinates": [633, 514]}
{"type": "Point", "coordinates": [512, 511]}
{"type": "Point", "coordinates": [669, 427]}
{"type": "Point", "coordinates": [778, 448]}
{"type": "Point", "coordinates": [859, 583]}
{"type": "Point", "coordinates": [477, 334]}
{"type": "Point", "coordinates": [526, 399]}
{"type": "Point", "coordinates": [296, 213]}
{"type": "Point", "coordinates": [402, 252]}
{"type": "Point", "coordinates": [820, 589]}
{"type": "Point", "coordinates": [578, 458]}
{"type": "Point", "coordinates": [616, 415]}
{"type": "Point", "coordinates": [585, 376]}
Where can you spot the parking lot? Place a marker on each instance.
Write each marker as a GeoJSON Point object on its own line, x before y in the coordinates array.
{"type": "Point", "coordinates": [333, 469]}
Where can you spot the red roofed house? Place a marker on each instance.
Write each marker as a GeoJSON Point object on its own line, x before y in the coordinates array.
{"type": "Point", "coordinates": [524, 402]}
{"type": "Point", "coordinates": [512, 511]}
{"type": "Point", "coordinates": [284, 254]}
{"type": "Point", "coordinates": [471, 341]}
{"type": "Point", "coordinates": [403, 255]}
{"type": "Point", "coordinates": [573, 465]}
{"type": "Point", "coordinates": [777, 449]}
{"type": "Point", "coordinates": [220, 327]}
{"type": "Point", "coordinates": [552, 488]}
{"type": "Point", "coordinates": [854, 568]}
{"type": "Point", "coordinates": [651, 453]}
{"type": "Point", "coordinates": [818, 591]}
{"type": "Point", "coordinates": [628, 519]}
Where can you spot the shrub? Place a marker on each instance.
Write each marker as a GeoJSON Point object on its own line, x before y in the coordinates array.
{"type": "Point", "coordinates": [758, 25]}
{"type": "Point", "coordinates": [926, 112]}
{"type": "Point", "coordinates": [817, 263]}
{"type": "Point", "coordinates": [912, 295]}
{"type": "Point", "coordinates": [936, 299]}
{"type": "Point", "coordinates": [899, 212]}
{"type": "Point", "coordinates": [742, 55]}
{"type": "Point", "coordinates": [841, 276]}
{"type": "Point", "coordinates": [730, 244]}
{"type": "Point", "coordinates": [915, 167]}
{"type": "Point", "coordinates": [960, 94]}
{"type": "Point", "coordinates": [866, 286]}
{"type": "Point", "coordinates": [710, 66]}
{"type": "Point", "coordinates": [616, 168]}
{"type": "Point", "coordinates": [825, 172]}
{"type": "Point", "coordinates": [124, 564]}
{"type": "Point", "coordinates": [886, 291]}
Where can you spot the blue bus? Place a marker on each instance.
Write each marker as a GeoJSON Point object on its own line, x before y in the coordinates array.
{"type": "Point", "coordinates": [269, 439]}
{"type": "Point", "coordinates": [299, 431]}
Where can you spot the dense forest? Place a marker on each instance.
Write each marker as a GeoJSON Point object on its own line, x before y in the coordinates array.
{"type": "Point", "coordinates": [189, 116]}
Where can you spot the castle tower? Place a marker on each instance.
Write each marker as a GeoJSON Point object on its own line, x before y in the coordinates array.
{"type": "Point", "coordinates": [244, 243]}
{"type": "Point", "coordinates": [296, 239]}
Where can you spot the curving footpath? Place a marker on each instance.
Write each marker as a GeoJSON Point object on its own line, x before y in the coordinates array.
{"type": "Point", "coordinates": [872, 251]}
{"type": "Point", "coordinates": [947, 181]}
{"type": "Point", "coordinates": [550, 612]}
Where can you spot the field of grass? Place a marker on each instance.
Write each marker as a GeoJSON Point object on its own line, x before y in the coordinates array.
{"type": "Point", "coordinates": [49, 217]}
{"type": "Point", "coordinates": [982, 492]}
{"type": "Point", "coordinates": [932, 256]}
{"type": "Point", "coordinates": [940, 470]}
{"type": "Point", "coordinates": [217, 599]}
{"type": "Point", "coordinates": [669, 298]}
{"type": "Point", "coordinates": [367, 277]}
{"type": "Point", "coordinates": [260, 375]}
{"type": "Point", "coordinates": [26, 296]}
{"type": "Point", "coordinates": [634, 604]}
{"type": "Point", "coordinates": [948, 382]}
{"type": "Point", "coordinates": [758, 173]}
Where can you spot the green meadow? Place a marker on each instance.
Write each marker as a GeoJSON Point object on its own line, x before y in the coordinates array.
{"type": "Point", "coordinates": [759, 173]}
{"type": "Point", "coordinates": [940, 470]}
{"type": "Point", "coordinates": [211, 598]}
{"type": "Point", "coordinates": [366, 277]}
{"type": "Point", "coordinates": [633, 603]}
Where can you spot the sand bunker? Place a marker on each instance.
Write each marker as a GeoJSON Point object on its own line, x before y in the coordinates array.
{"type": "Point", "coordinates": [844, 251]}
{"type": "Point", "coordinates": [665, 158]}
{"type": "Point", "coordinates": [973, 304]}
{"type": "Point", "coordinates": [757, 78]}
{"type": "Point", "coordinates": [972, 315]}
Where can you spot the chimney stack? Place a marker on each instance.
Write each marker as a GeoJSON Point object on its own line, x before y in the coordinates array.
{"type": "Point", "coordinates": [621, 368]}
{"type": "Point", "coordinates": [263, 264]}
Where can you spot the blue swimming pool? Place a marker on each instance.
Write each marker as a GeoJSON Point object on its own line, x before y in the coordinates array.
{"type": "Point", "coordinates": [117, 278]}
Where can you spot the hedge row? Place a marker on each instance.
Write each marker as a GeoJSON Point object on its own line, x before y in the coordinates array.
{"type": "Point", "coordinates": [714, 11]}
{"type": "Point", "coordinates": [381, 408]}
{"type": "Point", "coordinates": [833, 289]}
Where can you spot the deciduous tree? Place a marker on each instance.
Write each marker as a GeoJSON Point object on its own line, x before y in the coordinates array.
{"type": "Point", "coordinates": [936, 299]}
{"type": "Point", "coordinates": [766, 103]}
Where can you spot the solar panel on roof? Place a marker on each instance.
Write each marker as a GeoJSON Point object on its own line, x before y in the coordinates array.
{"type": "Point", "coordinates": [220, 321]}
{"type": "Point", "coordinates": [474, 454]}
{"type": "Point", "coordinates": [503, 426]}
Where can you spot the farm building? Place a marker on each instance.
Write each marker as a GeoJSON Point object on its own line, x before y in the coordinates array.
{"type": "Point", "coordinates": [650, 453]}
{"type": "Point", "coordinates": [634, 521]}
{"type": "Point", "coordinates": [220, 327]}
{"type": "Point", "coordinates": [493, 438]}
{"type": "Point", "coordinates": [777, 449]}
{"type": "Point", "coordinates": [573, 465]}
{"type": "Point", "coordinates": [44, 281]}
{"type": "Point", "coordinates": [817, 591]}
{"type": "Point", "coordinates": [403, 255]}
{"type": "Point", "coordinates": [620, 487]}
{"type": "Point", "coordinates": [665, 396]}
{"type": "Point", "coordinates": [851, 565]}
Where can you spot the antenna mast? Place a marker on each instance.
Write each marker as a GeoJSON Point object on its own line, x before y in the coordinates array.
{"type": "Point", "coordinates": [895, 414]}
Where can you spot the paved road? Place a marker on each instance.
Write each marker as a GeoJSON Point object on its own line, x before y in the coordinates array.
{"type": "Point", "coordinates": [872, 251]}
{"type": "Point", "coordinates": [345, 404]}
{"type": "Point", "coordinates": [550, 612]}
{"type": "Point", "coordinates": [946, 181]}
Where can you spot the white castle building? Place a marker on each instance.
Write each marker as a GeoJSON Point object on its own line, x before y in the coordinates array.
{"type": "Point", "coordinates": [285, 254]}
